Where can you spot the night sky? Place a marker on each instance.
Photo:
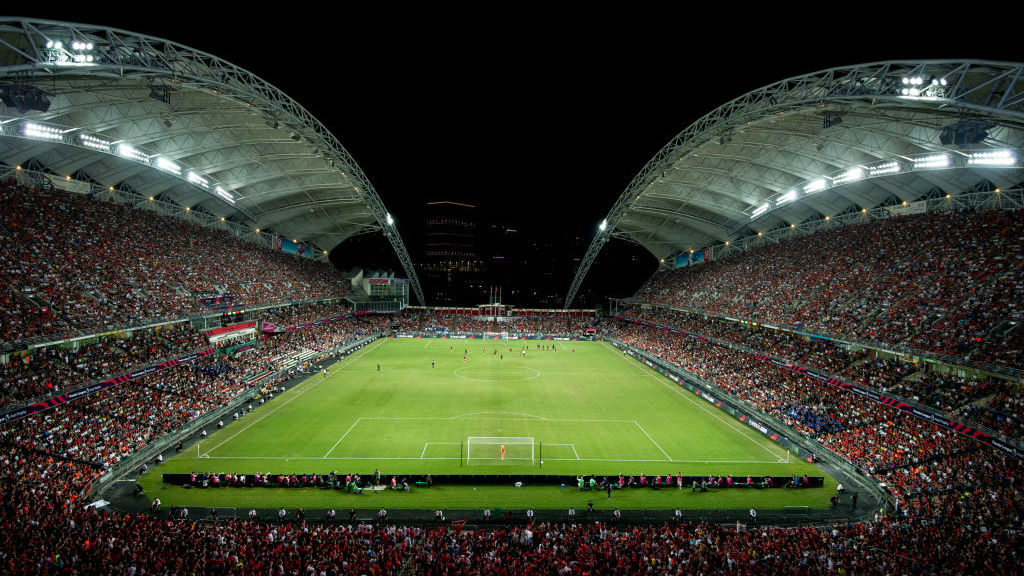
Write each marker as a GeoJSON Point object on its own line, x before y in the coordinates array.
{"type": "Point", "coordinates": [540, 119]}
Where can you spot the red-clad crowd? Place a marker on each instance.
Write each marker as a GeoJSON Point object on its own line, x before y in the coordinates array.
{"type": "Point", "coordinates": [71, 262]}
{"type": "Point", "coordinates": [942, 291]}
{"type": "Point", "coordinates": [51, 370]}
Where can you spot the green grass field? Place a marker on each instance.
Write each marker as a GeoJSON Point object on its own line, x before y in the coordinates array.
{"type": "Point", "coordinates": [585, 408]}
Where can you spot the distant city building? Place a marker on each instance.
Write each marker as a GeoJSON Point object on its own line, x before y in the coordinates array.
{"type": "Point", "coordinates": [451, 266]}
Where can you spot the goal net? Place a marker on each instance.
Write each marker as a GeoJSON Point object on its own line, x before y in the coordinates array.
{"type": "Point", "coordinates": [495, 335]}
{"type": "Point", "coordinates": [499, 449]}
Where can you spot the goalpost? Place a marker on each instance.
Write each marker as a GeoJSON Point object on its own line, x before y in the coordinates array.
{"type": "Point", "coordinates": [500, 449]}
{"type": "Point", "coordinates": [496, 336]}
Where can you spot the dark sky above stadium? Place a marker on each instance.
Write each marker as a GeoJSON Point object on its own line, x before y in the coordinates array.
{"type": "Point", "coordinates": [544, 117]}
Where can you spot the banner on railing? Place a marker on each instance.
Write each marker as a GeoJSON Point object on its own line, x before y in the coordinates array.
{"type": "Point", "coordinates": [229, 329]}
{"type": "Point", "coordinates": [900, 405]}
{"type": "Point", "coordinates": [89, 389]}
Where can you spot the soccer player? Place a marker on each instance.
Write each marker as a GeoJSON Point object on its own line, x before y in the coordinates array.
{"type": "Point", "coordinates": [378, 366]}
{"type": "Point", "coordinates": [502, 451]}
{"type": "Point", "coordinates": [431, 363]}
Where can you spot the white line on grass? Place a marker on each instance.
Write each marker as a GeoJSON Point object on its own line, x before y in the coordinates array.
{"type": "Point", "coordinates": [422, 454]}
{"type": "Point", "coordinates": [295, 395]}
{"type": "Point", "coordinates": [343, 437]}
{"type": "Point", "coordinates": [499, 418]}
{"type": "Point", "coordinates": [652, 440]}
{"type": "Point", "coordinates": [512, 413]}
{"type": "Point", "coordinates": [742, 429]}
{"type": "Point", "coordinates": [284, 458]}
{"type": "Point", "coordinates": [574, 451]}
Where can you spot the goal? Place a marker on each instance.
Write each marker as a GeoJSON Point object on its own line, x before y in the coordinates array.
{"type": "Point", "coordinates": [499, 450]}
{"type": "Point", "coordinates": [496, 336]}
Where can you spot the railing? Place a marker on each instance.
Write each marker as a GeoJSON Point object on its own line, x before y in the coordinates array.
{"type": "Point", "coordinates": [786, 433]}
{"type": "Point", "coordinates": [72, 336]}
{"type": "Point", "coordinates": [888, 347]}
{"type": "Point", "coordinates": [922, 407]}
{"type": "Point", "coordinates": [134, 461]}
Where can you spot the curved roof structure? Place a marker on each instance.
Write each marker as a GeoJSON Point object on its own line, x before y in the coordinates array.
{"type": "Point", "coordinates": [824, 144]}
{"type": "Point", "coordinates": [183, 129]}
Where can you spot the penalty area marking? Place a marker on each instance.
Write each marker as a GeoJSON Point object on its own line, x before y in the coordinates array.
{"type": "Point", "coordinates": [573, 446]}
{"type": "Point", "coordinates": [658, 446]}
{"type": "Point", "coordinates": [313, 381]}
{"type": "Point", "coordinates": [425, 444]}
{"type": "Point", "coordinates": [342, 437]}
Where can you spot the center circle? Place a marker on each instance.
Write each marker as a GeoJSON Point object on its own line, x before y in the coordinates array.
{"type": "Point", "coordinates": [517, 374]}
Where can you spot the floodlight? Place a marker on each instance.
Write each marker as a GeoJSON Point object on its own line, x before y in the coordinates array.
{"type": "Point", "coordinates": [389, 219]}
{"type": "Point", "coordinates": [815, 186]}
{"type": "Point", "coordinates": [128, 151]}
{"type": "Point", "coordinates": [992, 158]}
{"type": "Point", "coordinates": [225, 195]}
{"type": "Point", "coordinates": [933, 161]}
{"type": "Point", "coordinates": [33, 130]}
{"type": "Point", "coordinates": [168, 165]}
{"type": "Point", "coordinates": [198, 180]}
{"type": "Point", "coordinates": [94, 142]}
{"type": "Point", "coordinates": [603, 225]}
{"type": "Point", "coordinates": [891, 167]}
{"type": "Point", "coordinates": [786, 198]}
{"type": "Point", "coordinates": [760, 210]}
{"type": "Point", "coordinates": [851, 175]}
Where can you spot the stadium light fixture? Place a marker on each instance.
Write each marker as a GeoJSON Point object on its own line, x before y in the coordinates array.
{"type": "Point", "coordinates": [884, 168]}
{"type": "Point", "coordinates": [760, 210]}
{"type": "Point", "coordinates": [786, 198]}
{"type": "Point", "coordinates": [933, 161]}
{"type": "Point", "coordinates": [815, 186]}
{"type": "Point", "coordinates": [603, 225]}
{"type": "Point", "coordinates": [851, 175]}
{"type": "Point", "coordinates": [168, 165]}
{"type": "Point", "coordinates": [94, 142]}
{"type": "Point", "coordinates": [224, 194]}
{"type": "Point", "coordinates": [992, 158]}
{"type": "Point", "coordinates": [128, 151]}
{"type": "Point", "coordinates": [389, 219]}
{"type": "Point", "coordinates": [198, 180]}
{"type": "Point", "coordinates": [33, 130]}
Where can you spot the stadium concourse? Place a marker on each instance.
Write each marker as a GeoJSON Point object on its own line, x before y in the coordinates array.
{"type": "Point", "coordinates": [959, 501]}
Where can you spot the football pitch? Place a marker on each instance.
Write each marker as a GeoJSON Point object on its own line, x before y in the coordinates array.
{"type": "Point", "coordinates": [448, 406]}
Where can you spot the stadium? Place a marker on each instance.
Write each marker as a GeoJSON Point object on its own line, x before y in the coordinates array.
{"type": "Point", "coordinates": [821, 375]}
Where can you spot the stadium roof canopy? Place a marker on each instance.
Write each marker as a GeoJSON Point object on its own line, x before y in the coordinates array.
{"type": "Point", "coordinates": [181, 132]}
{"type": "Point", "coordinates": [809, 148]}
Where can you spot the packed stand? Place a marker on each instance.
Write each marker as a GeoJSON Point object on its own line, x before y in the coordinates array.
{"type": "Point", "coordinates": [946, 392]}
{"type": "Point", "coordinates": [74, 263]}
{"type": "Point", "coordinates": [54, 369]}
{"type": "Point", "coordinates": [883, 281]}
